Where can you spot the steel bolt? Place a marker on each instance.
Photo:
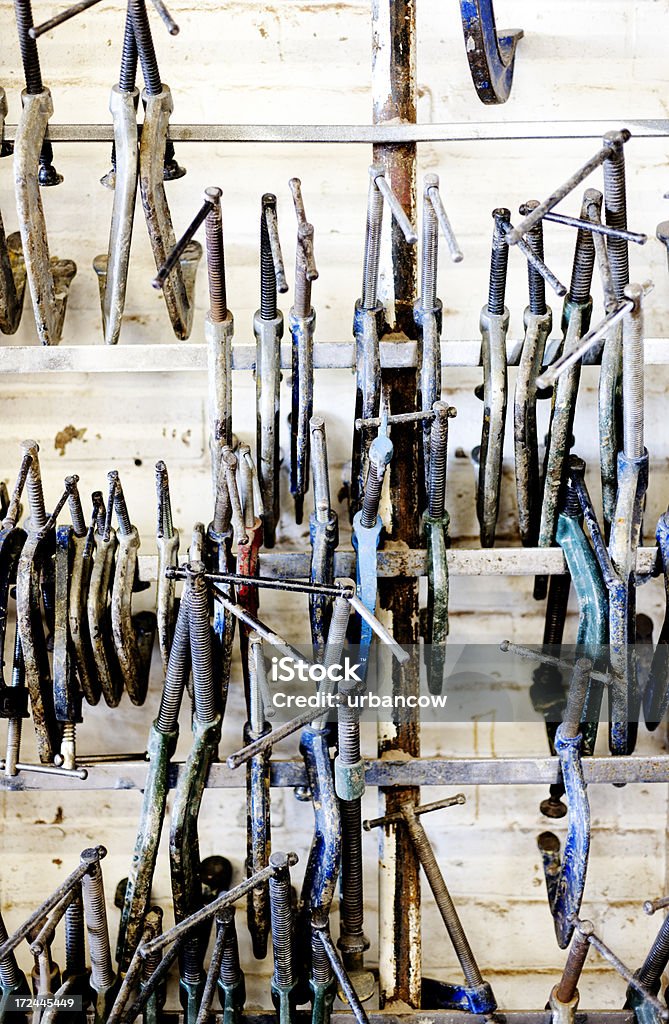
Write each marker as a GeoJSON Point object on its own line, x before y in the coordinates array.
{"type": "Point", "coordinates": [615, 208]}
{"type": "Point", "coordinates": [535, 239]}
{"type": "Point", "coordinates": [213, 226]}
{"type": "Point", "coordinates": [499, 261]}
{"type": "Point", "coordinates": [38, 516]}
{"type": "Point", "coordinates": [268, 307]}
{"type": "Point", "coordinates": [584, 252]}
{"type": "Point", "coordinates": [438, 456]}
{"type": "Point", "coordinates": [102, 972]}
{"type": "Point", "coordinates": [282, 922]}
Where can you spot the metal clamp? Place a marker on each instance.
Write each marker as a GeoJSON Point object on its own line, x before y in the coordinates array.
{"type": "Point", "coordinates": [491, 54]}
{"type": "Point", "coordinates": [476, 995]}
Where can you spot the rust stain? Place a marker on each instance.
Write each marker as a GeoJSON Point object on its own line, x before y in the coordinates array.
{"type": "Point", "coordinates": [57, 861]}
{"type": "Point", "coordinates": [66, 435]}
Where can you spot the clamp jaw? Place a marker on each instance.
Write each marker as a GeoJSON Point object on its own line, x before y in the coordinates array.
{"type": "Point", "coordinates": [526, 447]}
{"type": "Point", "coordinates": [112, 267]}
{"type": "Point", "coordinates": [49, 279]}
{"type": "Point", "coordinates": [12, 263]}
{"type": "Point", "coordinates": [179, 287]}
{"type": "Point", "coordinates": [494, 328]}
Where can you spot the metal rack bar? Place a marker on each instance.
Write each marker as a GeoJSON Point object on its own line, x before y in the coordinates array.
{"type": "Point", "coordinates": [396, 559]}
{"type": "Point", "coordinates": [426, 1017]}
{"type": "Point", "coordinates": [175, 357]}
{"type": "Point", "coordinates": [380, 134]}
{"type": "Point", "coordinates": [383, 772]}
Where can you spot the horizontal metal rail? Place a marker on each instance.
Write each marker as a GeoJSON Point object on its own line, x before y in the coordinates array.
{"type": "Point", "coordinates": [396, 559]}
{"type": "Point", "coordinates": [426, 1016]}
{"type": "Point", "coordinates": [346, 134]}
{"type": "Point", "coordinates": [184, 358]}
{"type": "Point", "coordinates": [481, 771]}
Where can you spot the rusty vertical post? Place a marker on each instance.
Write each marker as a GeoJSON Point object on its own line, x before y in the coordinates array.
{"type": "Point", "coordinates": [394, 98]}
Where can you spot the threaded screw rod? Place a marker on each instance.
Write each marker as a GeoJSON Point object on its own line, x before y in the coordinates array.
{"type": "Point", "coordinates": [372, 499]}
{"type": "Point", "coordinates": [177, 671]}
{"type": "Point", "coordinates": [281, 914]}
{"type": "Point", "coordinates": [92, 887]}
{"type": "Point", "coordinates": [584, 255]}
{"type": "Point", "coordinates": [165, 527]}
{"type": "Point", "coordinates": [127, 76]}
{"type": "Point", "coordinates": [370, 265]}
{"type": "Point", "coordinates": [144, 40]}
{"type": "Point", "coordinates": [268, 270]}
{"type": "Point", "coordinates": [535, 240]}
{"type": "Point", "coordinates": [230, 972]}
{"type": "Point", "coordinates": [438, 457]}
{"type": "Point", "coordinates": [200, 645]}
{"type": "Point", "coordinates": [499, 261]}
{"type": "Point", "coordinates": [38, 516]}
{"type": "Point", "coordinates": [117, 501]}
{"type": "Point", "coordinates": [442, 897]}
{"type": "Point", "coordinates": [28, 47]}
{"type": "Point", "coordinates": [213, 227]}
{"type": "Point", "coordinates": [75, 951]}
{"type": "Point", "coordinates": [430, 246]}
{"type": "Point", "coordinates": [651, 970]}
{"type": "Point", "coordinates": [9, 969]}
{"type": "Point", "coordinates": [320, 923]}
{"type": "Point", "coordinates": [74, 501]}
{"type": "Point", "coordinates": [615, 211]}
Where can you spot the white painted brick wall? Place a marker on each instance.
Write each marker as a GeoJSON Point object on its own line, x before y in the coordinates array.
{"type": "Point", "coordinates": [307, 61]}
